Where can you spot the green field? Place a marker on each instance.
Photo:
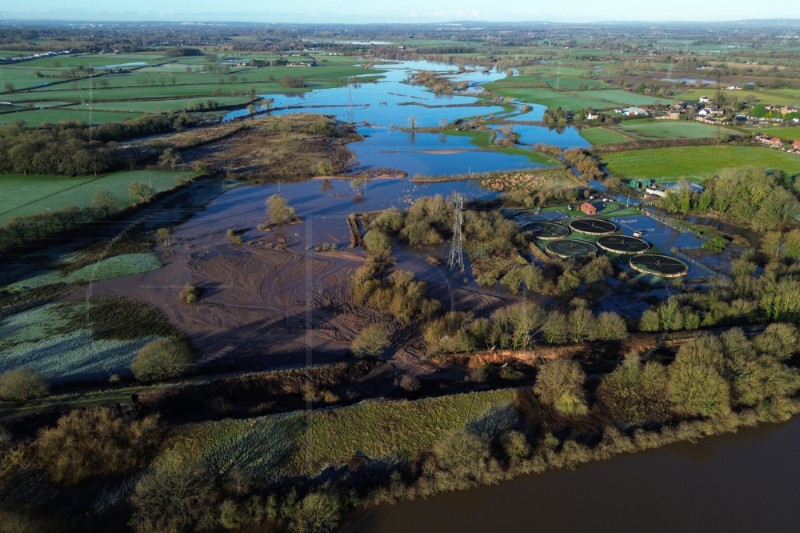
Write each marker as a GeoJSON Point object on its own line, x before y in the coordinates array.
{"type": "Point", "coordinates": [112, 267]}
{"type": "Point", "coordinates": [618, 97]}
{"type": "Point", "coordinates": [671, 129]}
{"type": "Point", "coordinates": [75, 113]}
{"type": "Point", "coordinates": [791, 133]}
{"type": "Point", "coordinates": [44, 340]}
{"type": "Point", "coordinates": [554, 99]}
{"type": "Point", "coordinates": [599, 136]}
{"type": "Point", "coordinates": [304, 443]}
{"type": "Point", "coordinates": [696, 161]}
{"type": "Point", "coordinates": [26, 195]}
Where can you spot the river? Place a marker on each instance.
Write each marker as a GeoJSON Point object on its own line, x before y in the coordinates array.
{"type": "Point", "coordinates": [731, 483]}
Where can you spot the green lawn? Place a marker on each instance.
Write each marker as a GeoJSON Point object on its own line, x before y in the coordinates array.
{"type": "Point", "coordinates": [696, 161]}
{"type": "Point", "coordinates": [599, 136]}
{"type": "Point", "coordinates": [26, 195]}
{"type": "Point", "coordinates": [671, 129]}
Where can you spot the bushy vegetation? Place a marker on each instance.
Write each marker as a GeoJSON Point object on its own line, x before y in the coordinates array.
{"type": "Point", "coordinates": [748, 195]}
{"type": "Point", "coordinates": [560, 384]}
{"type": "Point", "coordinates": [161, 359]}
{"type": "Point", "coordinates": [396, 293]}
{"type": "Point", "coordinates": [279, 211]}
{"type": "Point", "coordinates": [428, 221]}
{"type": "Point", "coordinates": [189, 294]}
{"type": "Point", "coordinates": [370, 342]}
{"type": "Point", "coordinates": [22, 384]}
{"type": "Point", "coordinates": [98, 441]}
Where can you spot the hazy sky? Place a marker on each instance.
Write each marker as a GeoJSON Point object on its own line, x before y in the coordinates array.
{"type": "Point", "coordinates": [400, 11]}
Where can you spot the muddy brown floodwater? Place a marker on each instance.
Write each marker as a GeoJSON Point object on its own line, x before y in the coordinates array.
{"type": "Point", "coordinates": [745, 482]}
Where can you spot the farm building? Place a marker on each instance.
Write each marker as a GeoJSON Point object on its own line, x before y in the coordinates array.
{"type": "Point", "coordinates": [588, 208]}
{"type": "Point", "coordinates": [796, 146]}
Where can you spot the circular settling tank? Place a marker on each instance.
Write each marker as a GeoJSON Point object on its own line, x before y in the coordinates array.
{"type": "Point", "coordinates": [659, 265]}
{"type": "Point", "coordinates": [622, 244]}
{"type": "Point", "coordinates": [566, 248]}
{"type": "Point", "coordinates": [547, 231]}
{"type": "Point", "coordinates": [592, 226]}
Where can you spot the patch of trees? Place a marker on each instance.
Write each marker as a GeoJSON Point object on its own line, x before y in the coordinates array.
{"type": "Point", "coordinates": [747, 195]}
{"type": "Point", "coordinates": [182, 51]}
{"type": "Point", "coordinates": [398, 293]}
{"type": "Point", "coordinates": [520, 326]}
{"type": "Point", "coordinates": [98, 441]}
{"type": "Point", "coordinates": [74, 149]}
{"type": "Point", "coordinates": [587, 166]}
{"type": "Point", "coordinates": [555, 117]}
{"type": "Point", "coordinates": [295, 82]}
{"type": "Point", "coordinates": [747, 297]}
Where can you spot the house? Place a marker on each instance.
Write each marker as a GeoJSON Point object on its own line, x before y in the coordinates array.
{"type": "Point", "coordinates": [705, 100]}
{"type": "Point", "coordinates": [796, 146]}
{"type": "Point", "coordinates": [774, 142]}
{"type": "Point", "coordinates": [588, 208]}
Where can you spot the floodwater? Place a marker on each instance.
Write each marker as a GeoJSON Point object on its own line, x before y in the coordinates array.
{"type": "Point", "coordinates": [381, 108]}
{"type": "Point", "coordinates": [732, 483]}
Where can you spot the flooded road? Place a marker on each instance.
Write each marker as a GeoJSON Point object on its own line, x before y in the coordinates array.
{"type": "Point", "coordinates": [733, 483]}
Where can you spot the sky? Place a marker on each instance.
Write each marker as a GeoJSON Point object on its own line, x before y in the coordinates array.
{"type": "Point", "coordinates": [361, 11]}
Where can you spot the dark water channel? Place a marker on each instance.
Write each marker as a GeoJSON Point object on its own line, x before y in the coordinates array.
{"type": "Point", "coordinates": [733, 483]}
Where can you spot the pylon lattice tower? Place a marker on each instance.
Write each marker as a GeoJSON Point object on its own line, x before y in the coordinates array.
{"type": "Point", "coordinates": [457, 244]}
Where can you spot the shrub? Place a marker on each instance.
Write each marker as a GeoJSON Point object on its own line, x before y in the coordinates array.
{"type": "Point", "coordinates": [22, 384]}
{"type": "Point", "coordinates": [319, 512]}
{"type": "Point", "coordinates": [371, 341]}
{"type": "Point", "coordinates": [462, 454]}
{"type": "Point", "coordinates": [696, 387]}
{"type": "Point", "coordinates": [161, 359]}
{"type": "Point", "coordinates": [278, 210]}
{"type": "Point", "coordinates": [233, 235]}
{"type": "Point", "coordinates": [189, 294]}
{"type": "Point", "coordinates": [448, 334]}
{"type": "Point", "coordinates": [378, 245]}
{"type": "Point", "coordinates": [560, 385]}
{"type": "Point", "coordinates": [609, 327]}
{"type": "Point", "coordinates": [96, 441]}
{"type": "Point", "coordinates": [635, 393]}
{"type": "Point", "coordinates": [176, 494]}
{"type": "Point", "coordinates": [515, 446]}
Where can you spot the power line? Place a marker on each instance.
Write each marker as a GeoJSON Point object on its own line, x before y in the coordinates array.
{"type": "Point", "coordinates": [457, 244]}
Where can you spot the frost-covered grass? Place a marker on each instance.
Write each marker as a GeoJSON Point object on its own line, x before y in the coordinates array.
{"type": "Point", "coordinates": [46, 340]}
{"type": "Point", "coordinates": [113, 267]}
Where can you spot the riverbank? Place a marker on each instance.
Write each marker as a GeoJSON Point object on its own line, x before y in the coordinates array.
{"type": "Point", "coordinates": [721, 483]}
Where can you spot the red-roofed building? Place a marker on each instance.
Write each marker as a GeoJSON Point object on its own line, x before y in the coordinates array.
{"type": "Point", "coordinates": [796, 146]}
{"type": "Point", "coordinates": [588, 208]}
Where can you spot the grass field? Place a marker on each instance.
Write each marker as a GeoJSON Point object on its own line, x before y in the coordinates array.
{"type": "Point", "coordinates": [44, 340]}
{"type": "Point", "coordinates": [671, 129]}
{"type": "Point", "coordinates": [304, 443]}
{"type": "Point", "coordinates": [619, 97]}
{"type": "Point", "coordinates": [26, 195]}
{"type": "Point", "coordinates": [787, 133]}
{"type": "Point", "coordinates": [38, 117]}
{"type": "Point", "coordinates": [696, 161]}
{"type": "Point", "coordinates": [113, 267]}
{"type": "Point", "coordinates": [599, 136]}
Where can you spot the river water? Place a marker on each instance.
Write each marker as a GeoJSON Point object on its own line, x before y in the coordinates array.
{"type": "Point", "coordinates": [731, 483]}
